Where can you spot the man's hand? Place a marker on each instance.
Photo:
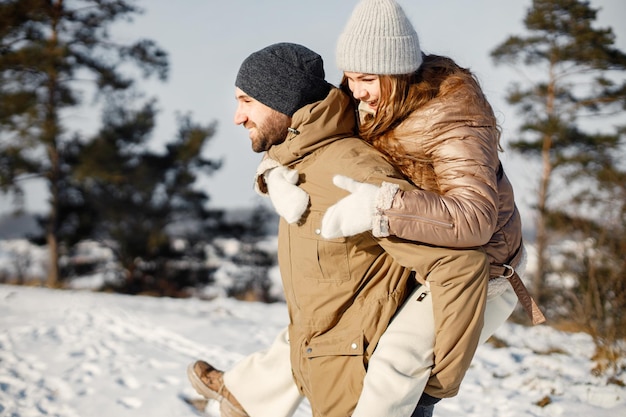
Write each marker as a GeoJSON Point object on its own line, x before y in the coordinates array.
{"type": "Point", "coordinates": [353, 214]}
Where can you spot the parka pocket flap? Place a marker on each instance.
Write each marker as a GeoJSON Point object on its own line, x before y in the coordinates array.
{"type": "Point", "coordinates": [313, 228]}
{"type": "Point", "coordinates": [343, 344]}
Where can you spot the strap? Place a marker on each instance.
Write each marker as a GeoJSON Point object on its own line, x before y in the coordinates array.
{"type": "Point", "coordinates": [503, 270]}
{"type": "Point", "coordinates": [531, 307]}
{"type": "Point", "coordinates": [524, 297]}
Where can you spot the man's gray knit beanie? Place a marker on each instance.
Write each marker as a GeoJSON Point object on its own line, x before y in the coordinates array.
{"type": "Point", "coordinates": [284, 77]}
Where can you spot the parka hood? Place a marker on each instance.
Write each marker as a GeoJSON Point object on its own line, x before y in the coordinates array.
{"type": "Point", "coordinates": [317, 125]}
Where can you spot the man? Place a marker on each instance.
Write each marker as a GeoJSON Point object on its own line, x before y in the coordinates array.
{"type": "Point", "coordinates": [342, 293]}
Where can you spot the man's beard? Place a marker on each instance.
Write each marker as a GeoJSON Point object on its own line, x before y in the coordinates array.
{"type": "Point", "coordinates": [272, 132]}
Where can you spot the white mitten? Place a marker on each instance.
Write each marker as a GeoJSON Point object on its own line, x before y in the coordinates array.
{"type": "Point", "coordinates": [353, 214]}
{"type": "Point", "coordinates": [289, 200]}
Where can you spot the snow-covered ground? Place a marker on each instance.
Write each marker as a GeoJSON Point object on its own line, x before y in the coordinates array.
{"type": "Point", "coordinates": [74, 353]}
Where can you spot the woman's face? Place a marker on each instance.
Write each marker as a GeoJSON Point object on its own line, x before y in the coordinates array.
{"type": "Point", "coordinates": [364, 87]}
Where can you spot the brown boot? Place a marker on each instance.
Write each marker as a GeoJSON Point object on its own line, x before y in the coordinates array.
{"type": "Point", "coordinates": [209, 382]}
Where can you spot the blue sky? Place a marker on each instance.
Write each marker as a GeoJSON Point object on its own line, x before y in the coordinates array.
{"type": "Point", "coordinates": [207, 40]}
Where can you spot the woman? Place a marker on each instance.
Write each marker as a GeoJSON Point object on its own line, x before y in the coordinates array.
{"type": "Point", "coordinates": [432, 120]}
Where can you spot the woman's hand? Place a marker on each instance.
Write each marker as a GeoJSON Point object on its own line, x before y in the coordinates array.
{"type": "Point", "coordinates": [289, 200]}
{"type": "Point", "coordinates": [353, 214]}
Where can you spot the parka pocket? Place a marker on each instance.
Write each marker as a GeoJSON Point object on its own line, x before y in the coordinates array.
{"type": "Point", "coordinates": [340, 344]}
{"type": "Point", "coordinates": [336, 371]}
{"type": "Point", "coordinates": [324, 260]}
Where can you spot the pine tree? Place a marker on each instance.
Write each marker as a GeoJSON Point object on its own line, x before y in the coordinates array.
{"type": "Point", "coordinates": [51, 53]}
{"type": "Point", "coordinates": [140, 195]}
{"type": "Point", "coordinates": [577, 76]}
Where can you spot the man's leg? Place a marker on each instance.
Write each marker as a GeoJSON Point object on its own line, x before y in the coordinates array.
{"type": "Point", "coordinates": [263, 382]}
{"type": "Point", "coordinates": [400, 366]}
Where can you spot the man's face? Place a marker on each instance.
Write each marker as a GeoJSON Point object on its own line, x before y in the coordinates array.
{"type": "Point", "coordinates": [267, 127]}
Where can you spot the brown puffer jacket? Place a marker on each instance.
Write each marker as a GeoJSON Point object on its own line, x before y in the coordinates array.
{"type": "Point", "coordinates": [342, 293]}
{"type": "Point", "coordinates": [466, 198]}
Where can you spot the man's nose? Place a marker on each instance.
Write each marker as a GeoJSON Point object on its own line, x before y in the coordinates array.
{"type": "Point", "coordinates": [239, 118]}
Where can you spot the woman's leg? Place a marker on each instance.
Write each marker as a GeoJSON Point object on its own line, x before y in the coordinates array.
{"type": "Point", "coordinates": [263, 383]}
{"type": "Point", "coordinates": [400, 366]}
{"type": "Point", "coordinates": [500, 308]}
{"type": "Point", "coordinates": [423, 411]}
{"type": "Point", "coordinates": [497, 311]}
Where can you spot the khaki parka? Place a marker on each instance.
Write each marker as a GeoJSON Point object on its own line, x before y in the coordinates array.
{"type": "Point", "coordinates": [342, 293]}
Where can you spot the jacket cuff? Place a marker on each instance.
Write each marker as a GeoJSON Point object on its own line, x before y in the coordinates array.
{"type": "Point", "coordinates": [384, 200]}
{"type": "Point", "coordinates": [259, 178]}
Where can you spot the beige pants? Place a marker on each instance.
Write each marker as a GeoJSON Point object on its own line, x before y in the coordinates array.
{"type": "Point", "coordinates": [397, 372]}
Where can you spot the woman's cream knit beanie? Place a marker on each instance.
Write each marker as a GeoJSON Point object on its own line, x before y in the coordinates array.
{"type": "Point", "coordinates": [379, 39]}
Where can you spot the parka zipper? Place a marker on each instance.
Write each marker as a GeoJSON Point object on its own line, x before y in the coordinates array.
{"type": "Point", "coordinates": [398, 214]}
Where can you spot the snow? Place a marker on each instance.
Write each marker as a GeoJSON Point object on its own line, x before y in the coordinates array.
{"type": "Point", "coordinates": [77, 353]}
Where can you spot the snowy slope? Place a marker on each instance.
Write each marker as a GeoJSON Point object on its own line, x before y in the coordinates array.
{"type": "Point", "coordinates": [78, 353]}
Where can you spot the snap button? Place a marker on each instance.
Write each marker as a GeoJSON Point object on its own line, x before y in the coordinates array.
{"type": "Point", "coordinates": [318, 231]}
{"type": "Point", "coordinates": [309, 350]}
{"type": "Point", "coordinates": [354, 346]}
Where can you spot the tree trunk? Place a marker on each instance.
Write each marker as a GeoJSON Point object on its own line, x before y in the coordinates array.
{"type": "Point", "coordinates": [50, 135]}
{"type": "Point", "coordinates": [53, 256]}
{"type": "Point", "coordinates": [544, 189]}
{"type": "Point", "coordinates": [542, 237]}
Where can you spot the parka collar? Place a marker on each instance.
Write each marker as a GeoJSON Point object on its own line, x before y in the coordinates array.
{"type": "Point", "coordinates": [316, 125]}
